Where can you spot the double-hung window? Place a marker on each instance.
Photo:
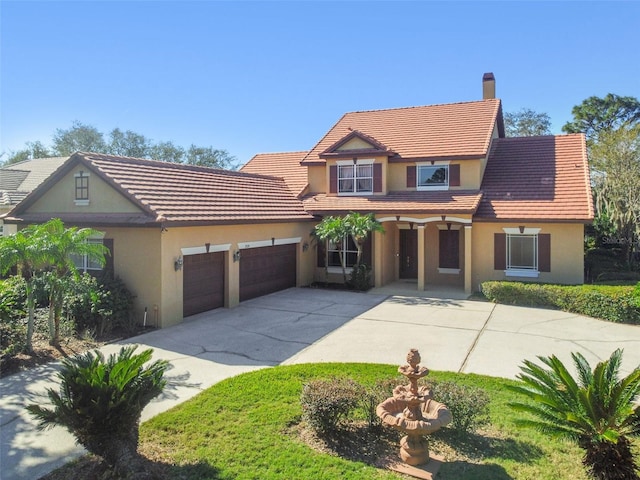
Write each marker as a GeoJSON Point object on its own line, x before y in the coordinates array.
{"type": "Point", "coordinates": [346, 248]}
{"type": "Point", "coordinates": [355, 178]}
{"type": "Point", "coordinates": [522, 252]}
{"type": "Point", "coordinates": [433, 177]}
{"type": "Point", "coordinates": [84, 263]}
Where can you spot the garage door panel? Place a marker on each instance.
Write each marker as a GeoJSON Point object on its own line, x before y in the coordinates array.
{"type": "Point", "coordinates": [203, 282]}
{"type": "Point", "coordinates": [266, 270]}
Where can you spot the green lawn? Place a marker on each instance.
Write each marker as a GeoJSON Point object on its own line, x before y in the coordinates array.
{"type": "Point", "coordinates": [240, 429]}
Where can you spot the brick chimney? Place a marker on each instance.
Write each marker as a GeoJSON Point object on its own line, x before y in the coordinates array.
{"type": "Point", "coordinates": [488, 86]}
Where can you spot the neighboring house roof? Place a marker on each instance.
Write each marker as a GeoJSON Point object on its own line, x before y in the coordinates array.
{"type": "Point", "coordinates": [19, 179]}
{"type": "Point", "coordinates": [537, 178]}
{"type": "Point", "coordinates": [440, 202]}
{"type": "Point", "coordinates": [448, 131]}
{"type": "Point", "coordinates": [285, 165]}
{"type": "Point", "coordinates": [177, 194]}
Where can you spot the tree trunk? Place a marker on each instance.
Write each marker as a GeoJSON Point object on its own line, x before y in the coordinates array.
{"type": "Point", "coordinates": [30, 319]}
{"type": "Point", "coordinates": [611, 461]}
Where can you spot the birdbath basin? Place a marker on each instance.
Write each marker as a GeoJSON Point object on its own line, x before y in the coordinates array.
{"type": "Point", "coordinates": [412, 411]}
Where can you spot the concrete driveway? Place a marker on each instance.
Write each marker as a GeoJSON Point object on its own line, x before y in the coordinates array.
{"type": "Point", "coordinates": [307, 325]}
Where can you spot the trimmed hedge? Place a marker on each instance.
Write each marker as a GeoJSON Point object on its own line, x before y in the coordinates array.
{"type": "Point", "coordinates": [619, 304]}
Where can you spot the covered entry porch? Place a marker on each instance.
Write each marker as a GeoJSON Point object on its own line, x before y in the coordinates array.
{"type": "Point", "coordinates": [424, 251]}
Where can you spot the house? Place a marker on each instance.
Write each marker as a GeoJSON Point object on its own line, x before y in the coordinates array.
{"type": "Point", "coordinates": [17, 180]}
{"type": "Point", "coordinates": [460, 204]}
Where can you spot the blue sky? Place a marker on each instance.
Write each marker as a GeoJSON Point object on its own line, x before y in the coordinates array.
{"type": "Point", "coordinates": [253, 77]}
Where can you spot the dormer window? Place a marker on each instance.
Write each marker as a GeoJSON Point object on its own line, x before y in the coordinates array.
{"type": "Point", "coordinates": [355, 177]}
{"type": "Point", "coordinates": [82, 188]}
{"type": "Point", "coordinates": [433, 177]}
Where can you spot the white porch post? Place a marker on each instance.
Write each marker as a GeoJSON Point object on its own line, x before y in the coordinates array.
{"type": "Point", "coordinates": [467, 260]}
{"type": "Point", "coordinates": [421, 260]}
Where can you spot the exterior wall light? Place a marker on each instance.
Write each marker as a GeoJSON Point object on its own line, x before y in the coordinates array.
{"type": "Point", "coordinates": [305, 246]}
{"type": "Point", "coordinates": [236, 256]}
{"type": "Point", "coordinates": [177, 265]}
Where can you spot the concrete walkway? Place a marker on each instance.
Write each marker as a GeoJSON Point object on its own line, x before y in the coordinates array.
{"type": "Point", "coordinates": [307, 325]}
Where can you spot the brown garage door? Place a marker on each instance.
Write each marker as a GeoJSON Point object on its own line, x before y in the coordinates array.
{"type": "Point", "coordinates": [267, 270]}
{"type": "Point", "coordinates": [203, 283]}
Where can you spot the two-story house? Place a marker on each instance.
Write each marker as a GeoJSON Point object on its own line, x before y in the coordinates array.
{"type": "Point", "coordinates": [460, 204]}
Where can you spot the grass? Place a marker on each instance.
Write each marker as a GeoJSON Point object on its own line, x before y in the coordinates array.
{"type": "Point", "coordinates": [243, 428]}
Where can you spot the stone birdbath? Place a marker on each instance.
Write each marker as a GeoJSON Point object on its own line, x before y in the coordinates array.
{"type": "Point", "coordinates": [413, 411]}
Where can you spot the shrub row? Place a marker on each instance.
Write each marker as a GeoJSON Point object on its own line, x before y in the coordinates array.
{"type": "Point", "coordinates": [613, 303]}
{"type": "Point", "coordinates": [329, 403]}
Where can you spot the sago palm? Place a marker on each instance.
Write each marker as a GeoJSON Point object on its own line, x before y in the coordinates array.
{"type": "Point", "coordinates": [100, 402]}
{"type": "Point", "coordinates": [598, 410]}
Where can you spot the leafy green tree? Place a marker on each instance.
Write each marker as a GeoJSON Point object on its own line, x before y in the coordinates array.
{"type": "Point", "coordinates": [332, 229]}
{"type": "Point", "coordinates": [615, 159]}
{"type": "Point", "coordinates": [167, 152]}
{"type": "Point", "coordinates": [128, 144]}
{"type": "Point", "coordinates": [100, 402]}
{"type": "Point", "coordinates": [210, 157]}
{"type": "Point", "coordinates": [24, 252]}
{"type": "Point", "coordinates": [59, 245]}
{"type": "Point", "coordinates": [78, 138]}
{"type": "Point", "coordinates": [595, 115]}
{"type": "Point", "coordinates": [526, 123]}
{"type": "Point", "coordinates": [31, 150]}
{"type": "Point", "coordinates": [360, 226]}
{"type": "Point", "coordinates": [597, 410]}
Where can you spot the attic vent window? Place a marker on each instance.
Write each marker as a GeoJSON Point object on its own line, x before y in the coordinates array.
{"type": "Point", "coordinates": [82, 188]}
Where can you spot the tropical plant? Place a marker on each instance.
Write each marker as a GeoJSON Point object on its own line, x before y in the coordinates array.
{"type": "Point", "coordinates": [333, 230]}
{"type": "Point", "coordinates": [23, 251]}
{"type": "Point", "coordinates": [597, 410]}
{"type": "Point", "coordinates": [100, 402]}
{"type": "Point", "coordinates": [59, 246]}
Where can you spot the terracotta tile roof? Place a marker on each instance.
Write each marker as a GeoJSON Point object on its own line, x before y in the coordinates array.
{"type": "Point", "coordinates": [440, 202]}
{"type": "Point", "coordinates": [455, 130]}
{"type": "Point", "coordinates": [171, 193]}
{"type": "Point", "coordinates": [541, 178]}
{"type": "Point", "coordinates": [285, 165]}
{"type": "Point", "coordinates": [19, 179]}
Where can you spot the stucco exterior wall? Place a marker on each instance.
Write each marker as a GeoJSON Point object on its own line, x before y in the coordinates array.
{"type": "Point", "coordinates": [60, 198]}
{"type": "Point", "coordinates": [470, 175]}
{"type": "Point", "coordinates": [567, 253]}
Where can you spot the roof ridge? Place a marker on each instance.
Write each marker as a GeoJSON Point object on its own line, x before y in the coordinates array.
{"type": "Point", "coordinates": [283, 153]}
{"type": "Point", "coordinates": [421, 106]}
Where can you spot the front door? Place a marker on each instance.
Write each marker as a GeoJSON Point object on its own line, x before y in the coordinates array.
{"type": "Point", "coordinates": [408, 254]}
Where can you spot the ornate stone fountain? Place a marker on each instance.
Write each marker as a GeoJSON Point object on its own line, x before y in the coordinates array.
{"type": "Point", "coordinates": [412, 411]}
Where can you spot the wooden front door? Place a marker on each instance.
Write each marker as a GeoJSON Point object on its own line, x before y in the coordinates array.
{"type": "Point", "coordinates": [408, 254]}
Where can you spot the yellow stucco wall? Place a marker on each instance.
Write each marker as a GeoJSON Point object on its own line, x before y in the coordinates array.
{"type": "Point", "coordinates": [102, 197]}
{"type": "Point", "coordinates": [567, 253]}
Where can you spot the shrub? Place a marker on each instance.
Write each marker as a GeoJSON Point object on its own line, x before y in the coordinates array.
{"type": "Point", "coordinates": [374, 395]}
{"type": "Point", "coordinates": [100, 403]}
{"type": "Point", "coordinates": [469, 406]}
{"type": "Point", "coordinates": [325, 403]}
{"type": "Point", "coordinates": [612, 303]}
{"type": "Point", "coordinates": [361, 277]}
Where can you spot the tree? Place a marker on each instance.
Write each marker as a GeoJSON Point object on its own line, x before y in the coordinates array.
{"type": "Point", "coordinates": [78, 138]}
{"type": "Point", "coordinates": [527, 123]}
{"type": "Point", "coordinates": [615, 160]}
{"type": "Point", "coordinates": [128, 144]}
{"type": "Point", "coordinates": [166, 152]}
{"type": "Point", "coordinates": [598, 411]}
{"type": "Point", "coordinates": [595, 115]}
{"type": "Point", "coordinates": [100, 402]}
{"type": "Point", "coordinates": [354, 225]}
{"type": "Point", "coordinates": [59, 245]}
{"type": "Point", "coordinates": [24, 252]}
{"type": "Point", "coordinates": [210, 157]}
{"type": "Point", "coordinates": [32, 150]}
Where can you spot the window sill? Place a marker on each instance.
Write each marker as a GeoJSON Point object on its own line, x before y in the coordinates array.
{"type": "Point", "coordinates": [449, 271]}
{"type": "Point", "coordinates": [522, 273]}
{"type": "Point", "coordinates": [434, 188]}
{"type": "Point", "coordinates": [339, 270]}
{"type": "Point", "coordinates": [81, 203]}
{"type": "Point", "coordinates": [353, 194]}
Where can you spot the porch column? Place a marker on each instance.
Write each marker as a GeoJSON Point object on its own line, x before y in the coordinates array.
{"type": "Point", "coordinates": [378, 259]}
{"type": "Point", "coordinates": [421, 254]}
{"type": "Point", "coordinates": [468, 289]}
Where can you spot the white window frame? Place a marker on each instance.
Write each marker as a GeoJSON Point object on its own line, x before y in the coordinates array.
{"type": "Point", "coordinates": [352, 167]}
{"type": "Point", "coordinates": [524, 271]}
{"type": "Point", "coordinates": [83, 263]}
{"type": "Point", "coordinates": [341, 250]}
{"type": "Point", "coordinates": [435, 165]}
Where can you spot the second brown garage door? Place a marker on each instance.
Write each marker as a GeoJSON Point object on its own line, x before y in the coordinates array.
{"type": "Point", "coordinates": [266, 270]}
{"type": "Point", "coordinates": [203, 282]}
